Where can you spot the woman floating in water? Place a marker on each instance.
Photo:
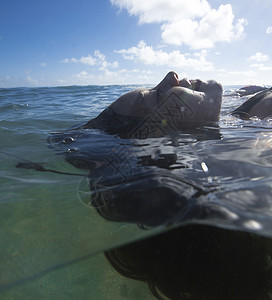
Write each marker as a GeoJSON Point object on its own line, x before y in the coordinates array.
{"type": "Point", "coordinates": [190, 261]}
{"type": "Point", "coordinates": [172, 103]}
{"type": "Point", "coordinates": [178, 104]}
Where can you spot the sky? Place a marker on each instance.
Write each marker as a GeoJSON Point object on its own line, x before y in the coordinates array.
{"type": "Point", "coordinates": [102, 42]}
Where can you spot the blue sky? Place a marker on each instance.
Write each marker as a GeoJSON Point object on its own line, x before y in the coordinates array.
{"type": "Point", "coordinates": [65, 42]}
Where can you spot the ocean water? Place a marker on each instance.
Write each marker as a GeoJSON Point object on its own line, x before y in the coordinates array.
{"type": "Point", "coordinates": [52, 240]}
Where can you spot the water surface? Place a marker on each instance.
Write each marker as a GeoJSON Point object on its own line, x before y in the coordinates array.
{"type": "Point", "coordinates": [52, 239]}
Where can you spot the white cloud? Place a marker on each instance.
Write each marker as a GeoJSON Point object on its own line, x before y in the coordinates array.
{"type": "Point", "coordinates": [87, 60]}
{"type": "Point", "coordinates": [148, 56]}
{"type": "Point", "coordinates": [157, 11]}
{"type": "Point", "coordinates": [193, 22]}
{"type": "Point", "coordinates": [82, 75]}
{"type": "Point", "coordinates": [4, 82]}
{"type": "Point", "coordinates": [238, 77]}
{"type": "Point", "coordinates": [242, 73]}
{"type": "Point", "coordinates": [32, 81]}
{"type": "Point", "coordinates": [43, 64]}
{"type": "Point", "coordinates": [261, 67]}
{"type": "Point", "coordinates": [239, 28]}
{"type": "Point", "coordinates": [259, 57]}
{"type": "Point", "coordinates": [65, 60]}
{"type": "Point", "coordinates": [269, 29]}
{"type": "Point", "coordinates": [98, 59]}
{"type": "Point", "coordinates": [120, 76]}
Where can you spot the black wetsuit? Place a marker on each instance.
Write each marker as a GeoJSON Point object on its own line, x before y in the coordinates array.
{"type": "Point", "coordinates": [148, 126]}
{"type": "Point", "coordinates": [243, 110]}
{"type": "Point", "coordinates": [113, 123]}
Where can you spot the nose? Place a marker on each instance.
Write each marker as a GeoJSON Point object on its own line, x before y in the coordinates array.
{"type": "Point", "coordinates": [170, 80]}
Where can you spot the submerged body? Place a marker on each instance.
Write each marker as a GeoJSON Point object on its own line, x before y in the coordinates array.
{"type": "Point", "coordinates": [153, 169]}
{"type": "Point", "coordinates": [238, 165]}
{"type": "Point", "coordinates": [153, 182]}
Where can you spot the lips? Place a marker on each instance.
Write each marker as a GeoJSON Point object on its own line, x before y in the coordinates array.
{"type": "Point", "coordinates": [185, 83]}
{"type": "Point", "coordinates": [195, 84]}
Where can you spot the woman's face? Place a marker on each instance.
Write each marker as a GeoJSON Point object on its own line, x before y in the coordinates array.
{"type": "Point", "coordinates": [190, 101]}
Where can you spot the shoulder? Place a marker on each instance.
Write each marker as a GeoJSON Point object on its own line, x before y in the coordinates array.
{"type": "Point", "coordinates": [260, 105]}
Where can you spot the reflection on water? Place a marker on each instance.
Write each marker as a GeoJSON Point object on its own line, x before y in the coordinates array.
{"type": "Point", "coordinates": [198, 175]}
{"type": "Point", "coordinates": [54, 227]}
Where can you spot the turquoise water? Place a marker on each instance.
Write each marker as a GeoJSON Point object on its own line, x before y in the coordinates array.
{"type": "Point", "coordinates": [52, 241]}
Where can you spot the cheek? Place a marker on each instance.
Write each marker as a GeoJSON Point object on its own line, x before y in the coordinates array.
{"type": "Point", "coordinates": [151, 100]}
{"type": "Point", "coordinates": [211, 115]}
{"type": "Point", "coordinates": [211, 112]}
{"type": "Point", "coordinates": [215, 95]}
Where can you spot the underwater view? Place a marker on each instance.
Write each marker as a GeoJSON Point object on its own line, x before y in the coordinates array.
{"type": "Point", "coordinates": [136, 150]}
{"type": "Point", "coordinates": [96, 215]}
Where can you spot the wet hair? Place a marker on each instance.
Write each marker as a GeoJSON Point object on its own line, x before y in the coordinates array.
{"type": "Point", "coordinates": [198, 262]}
{"type": "Point", "coordinates": [113, 123]}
